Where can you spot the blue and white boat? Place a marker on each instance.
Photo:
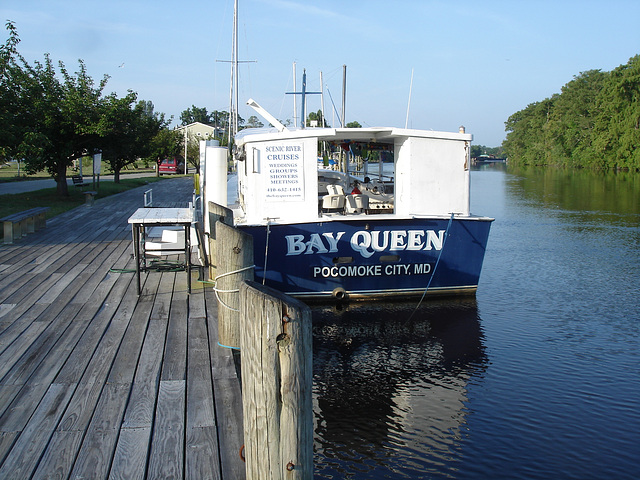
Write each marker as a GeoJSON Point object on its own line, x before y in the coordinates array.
{"type": "Point", "coordinates": [406, 230]}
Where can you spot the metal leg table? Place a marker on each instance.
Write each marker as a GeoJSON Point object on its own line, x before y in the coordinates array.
{"type": "Point", "coordinates": [147, 217]}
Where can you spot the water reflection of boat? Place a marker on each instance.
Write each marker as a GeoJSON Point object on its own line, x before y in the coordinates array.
{"type": "Point", "coordinates": [389, 386]}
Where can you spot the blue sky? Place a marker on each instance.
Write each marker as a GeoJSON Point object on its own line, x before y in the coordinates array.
{"type": "Point", "coordinates": [474, 63]}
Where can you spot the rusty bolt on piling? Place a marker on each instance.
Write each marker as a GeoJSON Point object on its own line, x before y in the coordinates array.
{"type": "Point", "coordinates": [286, 319]}
{"type": "Point", "coordinates": [290, 466]}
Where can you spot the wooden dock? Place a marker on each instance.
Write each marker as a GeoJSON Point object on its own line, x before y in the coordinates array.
{"type": "Point", "coordinates": [96, 382]}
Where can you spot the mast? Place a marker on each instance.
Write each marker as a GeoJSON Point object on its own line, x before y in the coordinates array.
{"type": "Point", "coordinates": [304, 93]}
{"type": "Point", "coordinates": [235, 65]}
{"type": "Point", "coordinates": [233, 94]}
{"type": "Point", "coordinates": [344, 93]}
{"type": "Point", "coordinates": [295, 106]}
{"type": "Point", "coordinates": [322, 98]}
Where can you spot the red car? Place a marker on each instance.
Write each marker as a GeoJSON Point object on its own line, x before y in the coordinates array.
{"type": "Point", "coordinates": [171, 165]}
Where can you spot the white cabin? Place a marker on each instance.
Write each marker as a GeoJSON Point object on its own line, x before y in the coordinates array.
{"type": "Point", "coordinates": [278, 172]}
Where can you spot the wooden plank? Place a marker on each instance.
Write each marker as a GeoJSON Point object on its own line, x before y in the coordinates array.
{"type": "Point", "coordinates": [24, 457]}
{"type": "Point", "coordinates": [202, 455]}
{"type": "Point", "coordinates": [227, 396]}
{"type": "Point", "coordinates": [32, 290]}
{"type": "Point", "coordinates": [14, 351]}
{"type": "Point", "coordinates": [67, 314]}
{"type": "Point", "coordinates": [174, 364]}
{"type": "Point", "coordinates": [96, 452]}
{"type": "Point", "coordinates": [82, 405]}
{"type": "Point", "coordinates": [140, 410]}
{"type": "Point", "coordinates": [61, 298]}
{"type": "Point", "coordinates": [18, 284]}
{"type": "Point", "coordinates": [7, 440]}
{"type": "Point", "coordinates": [60, 455]}
{"type": "Point", "coordinates": [93, 332]}
{"type": "Point", "coordinates": [130, 459]}
{"type": "Point", "coordinates": [40, 347]}
{"type": "Point", "coordinates": [228, 400]}
{"type": "Point", "coordinates": [7, 394]}
{"type": "Point", "coordinates": [126, 361]}
{"type": "Point", "coordinates": [200, 406]}
{"type": "Point", "coordinates": [167, 446]}
{"type": "Point", "coordinates": [50, 259]}
{"type": "Point", "coordinates": [61, 285]}
{"type": "Point", "coordinates": [114, 288]}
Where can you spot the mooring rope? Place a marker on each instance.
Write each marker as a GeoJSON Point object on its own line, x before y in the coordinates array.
{"type": "Point", "coordinates": [235, 290]}
{"type": "Point", "coordinates": [433, 274]}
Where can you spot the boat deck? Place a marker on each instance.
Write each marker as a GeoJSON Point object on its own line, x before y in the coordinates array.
{"type": "Point", "coordinates": [96, 382]}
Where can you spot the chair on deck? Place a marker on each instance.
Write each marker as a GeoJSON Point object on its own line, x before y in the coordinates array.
{"type": "Point", "coordinates": [334, 201]}
{"type": "Point", "coordinates": [356, 203]}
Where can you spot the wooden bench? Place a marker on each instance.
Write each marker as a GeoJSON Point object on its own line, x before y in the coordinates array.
{"type": "Point", "coordinates": [78, 181]}
{"type": "Point", "coordinates": [17, 225]}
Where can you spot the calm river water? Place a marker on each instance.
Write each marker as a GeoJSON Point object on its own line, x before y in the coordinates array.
{"type": "Point", "coordinates": [538, 377]}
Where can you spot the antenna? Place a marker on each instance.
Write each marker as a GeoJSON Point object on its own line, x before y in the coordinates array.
{"type": "Point", "coordinates": [406, 122]}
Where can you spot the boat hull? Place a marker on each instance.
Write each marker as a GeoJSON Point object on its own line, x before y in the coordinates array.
{"type": "Point", "coordinates": [372, 258]}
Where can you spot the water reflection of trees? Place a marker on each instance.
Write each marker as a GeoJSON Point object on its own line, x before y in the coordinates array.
{"type": "Point", "coordinates": [604, 196]}
{"type": "Point", "coordinates": [379, 369]}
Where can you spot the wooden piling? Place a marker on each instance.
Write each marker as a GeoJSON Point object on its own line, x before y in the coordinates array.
{"type": "Point", "coordinates": [275, 353]}
{"type": "Point", "coordinates": [216, 213]}
{"type": "Point", "coordinates": [235, 254]}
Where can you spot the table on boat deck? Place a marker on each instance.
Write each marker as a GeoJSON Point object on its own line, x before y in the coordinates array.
{"type": "Point", "coordinates": [147, 217]}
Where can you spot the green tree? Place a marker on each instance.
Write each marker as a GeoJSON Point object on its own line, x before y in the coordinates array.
{"type": "Point", "coordinates": [47, 118]}
{"type": "Point", "coordinates": [127, 131]}
{"type": "Point", "coordinates": [68, 110]}
{"type": "Point", "coordinates": [354, 124]}
{"type": "Point", "coordinates": [594, 122]}
{"type": "Point", "coordinates": [15, 106]}
{"type": "Point", "coordinates": [253, 122]}
{"type": "Point", "coordinates": [195, 114]}
{"type": "Point", "coordinates": [527, 141]}
{"type": "Point", "coordinates": [220, 119]}
{"type": "Point", "coordinates": [572, 119]}
{"type": "Point", "coordinates": [318, 118]}
{"type": "Point", "coordinates": [20, 96]}
{"type": "Point", "coordinates": [164, 144]}
{"type": "Point", "coordinates": [617, 125]}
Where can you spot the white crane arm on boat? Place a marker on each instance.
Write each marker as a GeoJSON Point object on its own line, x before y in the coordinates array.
{"type": "Point", "coordinates": [266, 115]}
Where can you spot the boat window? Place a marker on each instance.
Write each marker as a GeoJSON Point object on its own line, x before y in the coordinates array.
{"type": "Point", "coordinates": [367, 169]}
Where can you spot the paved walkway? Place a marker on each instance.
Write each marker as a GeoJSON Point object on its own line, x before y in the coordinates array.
{"type": "Point", "coordinates": [96, 382]}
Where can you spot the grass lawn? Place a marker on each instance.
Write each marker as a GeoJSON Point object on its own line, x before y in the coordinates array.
{"type": "Point", "coordinates": [9, 171]}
